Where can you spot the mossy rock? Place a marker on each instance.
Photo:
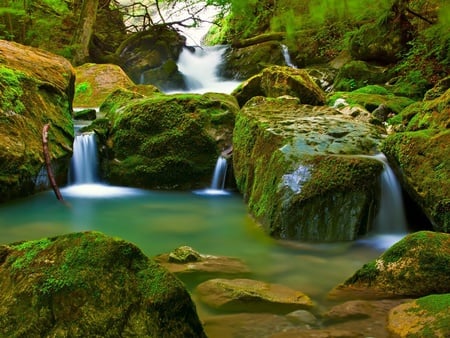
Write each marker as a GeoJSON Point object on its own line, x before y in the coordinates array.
{"type": "Point", "coordinates": [89, 284]}
{"type": "Point", "coordinates": [372, 97]}
{"type": "Point", "coordinates": [421, 156]}
{"type": "Point", "coordinates": [293, 163]}
{"type": "Point", "coordinates": [380, 43]}
{"type": "Point", "coordinates": [36, 88]}
{"type": "Point", "coordinates": [170, 141]}
{"type": "Point", "coordinates": [244, 62]}
{"type": "Point", "coordinates": [357, 74]}
{"type": "Point", "coordinates": [424, 317]}
{"type": "Point", "coordinates": [416, 266]}
{"type": "Point", "coordinates": [149, 49]}
{"type": "Point", "coordinates": [275, 81]}
{"type": "Point", "coordinates": [96, 81]}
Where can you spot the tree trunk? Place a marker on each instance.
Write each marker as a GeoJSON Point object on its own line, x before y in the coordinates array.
{"type": "Point", "coordinates": [48, 162]}
{"type": "Point", "coordinates": [84, 31]}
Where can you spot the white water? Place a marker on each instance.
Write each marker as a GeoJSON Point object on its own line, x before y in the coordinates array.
{"type": "Point", "coordinates": [390, 224]}
{"type": "Point", "coordinates": [200, 67]}
{"type": "Point", "coordinates": [84, 179]}
{"type": "Point", "coordinates": [218, 180]}
{"type": "Point", "coordinates": [287, 57]}
{"type": "Point", "coordinates": [84, 165]}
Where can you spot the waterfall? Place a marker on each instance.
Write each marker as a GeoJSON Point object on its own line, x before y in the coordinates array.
{"type": "Point", "coordinates": [287, 57]}
{"type": "Point", "coordinates": [199, 66]}
{"type": "Point", "coordinates": [391, 217]}
{"type": "Point", "coordinates": [220, 174]}
{"type": "Point", "coordinates": [218, 180]}
{"type": "Point", "coordinates": [84, 165]}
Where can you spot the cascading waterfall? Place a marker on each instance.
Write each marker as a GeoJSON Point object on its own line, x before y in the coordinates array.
{"type": "Point", "coordinates": [84, 165]}
{"type": "Point", "coordinates": [220, 174]}
{"type": "Point", "coordinates": [218, 180]}
{"type": "Point", "coordinates": [287, 57]}
{"type": "Point", "coordinates": [200, 67]}
{"type": "Point", "coordinates": [391, 217]}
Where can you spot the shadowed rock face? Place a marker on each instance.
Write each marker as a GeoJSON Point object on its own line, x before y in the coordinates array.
{"type": "Point", "coordinates": [88, 285]}
{"type": "Point", "coordinates": [299, 169]}
{"type": "Point", "coordinates": [36, 88]}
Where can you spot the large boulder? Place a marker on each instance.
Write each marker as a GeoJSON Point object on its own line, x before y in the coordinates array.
{"type": "Point", "coordinates": [245, 60]}
{"type": "Point", "coordinates": [90, 285]}
{"type": "Point", "coordinates": [416, 266]}
{"type": "Point", "coordinates": [36, 88]}
{"type": "Point", "coordinates": [420, 155]}
{"type": "Point", "coordinates": [153, 51]}
{"type": "Point", "coordinates": [169, 141]}
{"type": "Point", "coordinates": [277, 81]}
{"type": "Point", "coordinates": [300, 170]}
{"type": "Point", "coordinates": [95, 82]}
{"type": "Point", "coordinates": [424, 317]}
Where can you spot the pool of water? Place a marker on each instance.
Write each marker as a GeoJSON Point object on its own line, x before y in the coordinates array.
{"type": "Point", "coordinates": [218, 224]}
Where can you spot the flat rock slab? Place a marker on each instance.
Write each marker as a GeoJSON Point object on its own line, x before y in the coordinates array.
{"type": "Point", "coordinates": [247, 295]}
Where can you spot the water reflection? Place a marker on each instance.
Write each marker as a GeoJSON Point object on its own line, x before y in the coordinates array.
{"type": "Point", "coordinates": [158, 222]}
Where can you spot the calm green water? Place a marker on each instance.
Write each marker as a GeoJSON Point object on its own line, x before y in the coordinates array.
{"type": "Point", "coordinates": [159, 222]}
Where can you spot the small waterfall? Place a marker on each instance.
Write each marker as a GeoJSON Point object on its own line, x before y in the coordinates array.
{"type": "Point", "coordinates": [391, 217]}
{"type": "Point", "coordinates": [220, 174]}
{"type": "Point", "coordinates": [84, 165]}
{"type": "Point", "coordinates": [287, 57]}
{"type": "Point", "coordinates": [218, 180]}
{"type": "Point", "coordinates": [200, 67]}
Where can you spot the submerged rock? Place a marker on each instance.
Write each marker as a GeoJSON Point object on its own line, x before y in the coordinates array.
{"type": "Point", "coordinates": [246, 295]}
{"type": "Point", "coordinates": [86, 285]}
{"type": "Point", "coordinates": [36, 88]}
{"type": "Point", "coordinates": [418, 265]}
{"type": "Point", "coordinates": [300, 170]}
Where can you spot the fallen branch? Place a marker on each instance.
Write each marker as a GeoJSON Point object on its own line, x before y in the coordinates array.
{"type": "Point", "coordinates": [48, 163]}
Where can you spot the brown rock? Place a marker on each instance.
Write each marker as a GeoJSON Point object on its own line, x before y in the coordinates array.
{"type": "Point", "coordinates": [251, 296]}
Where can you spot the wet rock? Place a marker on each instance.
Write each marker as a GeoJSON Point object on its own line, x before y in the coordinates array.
{"type": "Point", "coordinates": [299, 170]}
{"type": "Point", "coordinates": [324, 333]}
{"type": "Point", "coordinates": [88, 284]}
{"type": "Point", "coordinates": [169, 141]}
{"type": "Point", "coordinates": [85, 114]}
{"type": "Point", "coordinates": [424, 317]}
{"type": "Point", "coordinates": [248, 295]}
{"type": "Point", "coordinates": [420, 155]}
{"type": "Point", "coordinates": [186, 261]}
{"type": "Point", "coordinates": [418, 265]}
{"type": "Point", "coordinates": [36, 88]}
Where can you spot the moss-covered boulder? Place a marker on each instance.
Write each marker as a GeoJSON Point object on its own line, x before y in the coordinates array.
{"type": "Point", "coordinates": [424, 317]}
{"type": "Point", "coordinates": [373, 97]}
{"type": "Point", "coordinates": [243, 61]}
{"type": "Point", "coordinates": [420, 154]}
{"type": "Point", "coordinates": [155, 48]}
{"type": "Point", "coordinates": [36, 88]}
{"type": "Point", "coordinates": [300, 172]}
{"type": "Point", "coordinates": [379, 42]}
{"type": "Point", "coordinates": [356, 74]}
{"type": "Point", "coordinates": [416, 266]}
{"type": "Point", "coordinates": [90, 285]}
{"type": "Point", "coordinates": [170, 141]}
{"type": "Point", "coordinates": [275, 81]}
{"type": "Point", "coordinates": [94, 82]}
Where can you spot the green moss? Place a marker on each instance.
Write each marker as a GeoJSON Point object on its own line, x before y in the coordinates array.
{"type": "Point", "coordinates": [11, 90]}
{"type": "Point", "coordinates": [28, 251]}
